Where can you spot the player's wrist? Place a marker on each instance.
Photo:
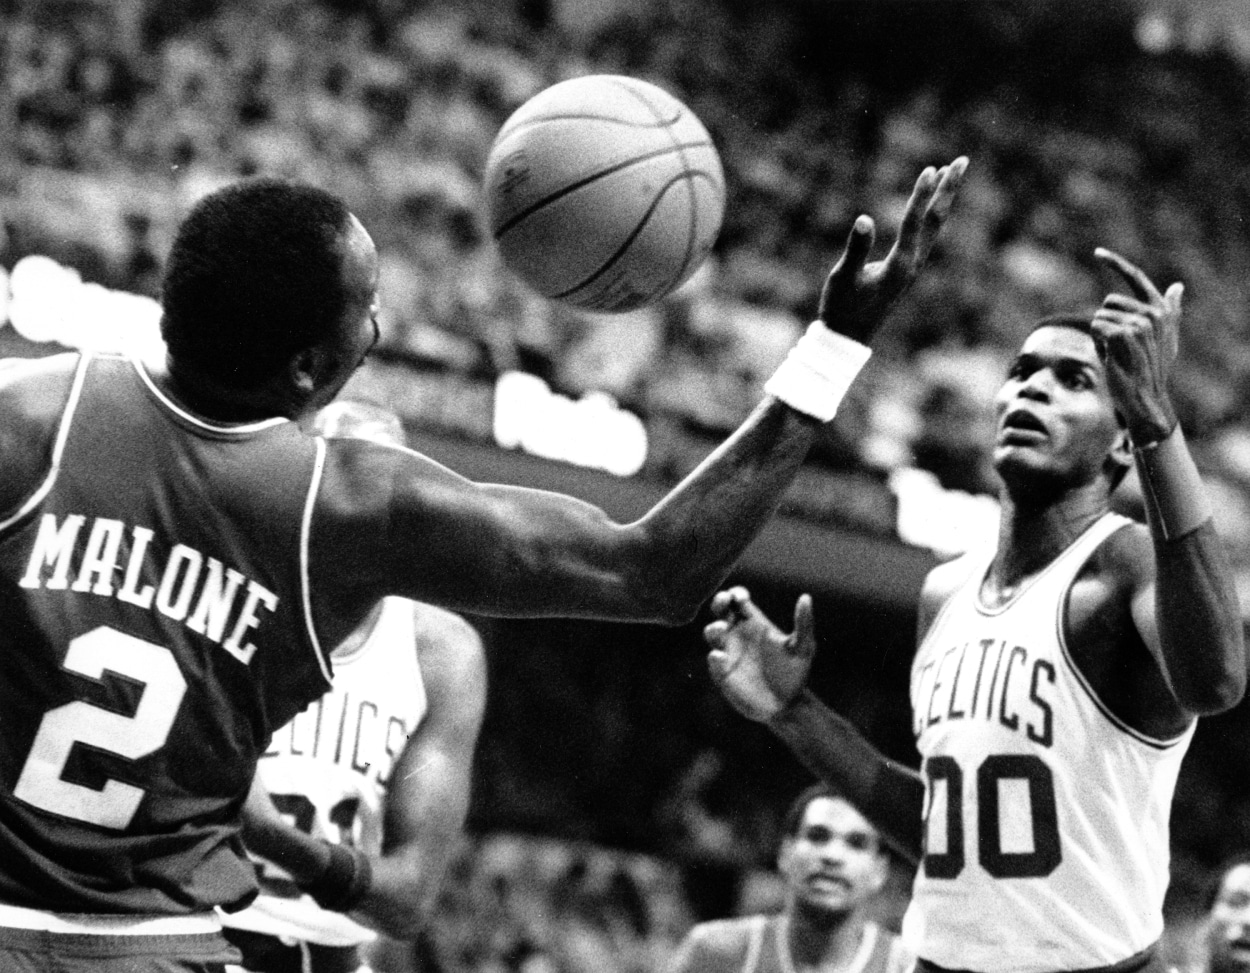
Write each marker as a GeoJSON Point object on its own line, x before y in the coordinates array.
{"type": "Point", "coordinates": [791, 710]}
{"type": "Point", "coordinates": [344, 881]}
{"type": "Point", "coordinates": [818, 371]}
{"type": "Point", "coordinates": [1172, 491]}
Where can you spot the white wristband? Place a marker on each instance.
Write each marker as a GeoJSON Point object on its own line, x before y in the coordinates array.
{"type": "Point", "coordinates": [816, 373]}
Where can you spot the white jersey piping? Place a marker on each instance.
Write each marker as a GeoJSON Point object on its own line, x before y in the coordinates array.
{"type": "Point", "coordinates": [305, 540]}
{"type": "Point", "coordinates": [58, 448]}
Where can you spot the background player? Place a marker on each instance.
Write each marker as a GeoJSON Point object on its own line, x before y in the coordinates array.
{"type": "Point", "coordinates": [1226, 932]}
{"type": "Point", "coordinates": [176, 556]}
{"type": "Point", "coordinates": [383, 761]}
{"type": "Point", "coordinates": [1058, 674]}
{"type": "Point", "coordinates": [833, 864]}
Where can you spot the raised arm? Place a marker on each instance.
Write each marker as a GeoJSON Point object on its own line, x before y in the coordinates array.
{"type": "Point", "coordinates": [427, 797]}
{"type": "Point", "coordinates": [1186, 608]}
{"type": "Point", "coordinates": [426, 800]}
{"type": "Point", "coordinates": [511, 551]}
{"type": "Point", "coordinates": [763, 673]}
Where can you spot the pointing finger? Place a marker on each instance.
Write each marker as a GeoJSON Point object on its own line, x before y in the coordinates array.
{"type": "Point", "coordinates": [1142, 286]}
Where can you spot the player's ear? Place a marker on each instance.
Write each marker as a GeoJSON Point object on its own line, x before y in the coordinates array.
{"type": "Point", "coordinates": [304, 369]}
{"type": "Point", "coordinates": [881, 870]}
{"type": "Point", "coordinates": [783, 854]}
{"type": "Point", "coordinates": [1120, 456]}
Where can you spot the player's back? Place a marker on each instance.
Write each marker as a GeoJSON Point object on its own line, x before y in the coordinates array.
{"type": "Point", "coordinates": [156, 630]}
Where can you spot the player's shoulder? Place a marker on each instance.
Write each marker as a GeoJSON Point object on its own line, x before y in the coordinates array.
{"type": "Point", "coordinates": [33, 396]}
{"type": "Point", "coordinates": [944, 579]}
{"type": "Point", "coordinates": [433, 622]}
{"type": "Point", "coordinates": [725, 938]}
{"type": "Point", "coordinates": [1126, 555]}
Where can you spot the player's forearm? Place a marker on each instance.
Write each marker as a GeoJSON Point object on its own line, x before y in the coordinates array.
{"type": "Point", "coordinates": [1199, 619]}
{"type": "Point", "coordinates": [889, 794]}
{"type": "Point", "coordinates": [687, 544]}
{"type": "Point", "coordinates": [1196, 607]}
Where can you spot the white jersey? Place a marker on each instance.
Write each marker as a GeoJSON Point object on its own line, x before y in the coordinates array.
{"type": "Point", "coordinates": [1046, 817]}
{"type": "Point", "coordinates": [328, 768]}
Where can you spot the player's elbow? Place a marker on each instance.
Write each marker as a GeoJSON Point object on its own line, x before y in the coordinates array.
{"type": "Point", "coordinates": [1218, 694]}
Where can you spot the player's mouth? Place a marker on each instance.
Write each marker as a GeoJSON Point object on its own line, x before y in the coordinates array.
{"type": "Point", "coordinates": [828, 882]}
{"type": "Point", "coordinates": [1021, 426]}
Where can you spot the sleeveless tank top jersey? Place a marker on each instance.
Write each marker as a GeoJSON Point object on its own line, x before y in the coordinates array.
{"type": "Point", "coordinates": [1046, 817]}
{"type": "Point", "coordinates": [157, 631]}
{"type": "Point", "coordinates": [328, 768]}
{"type": "Point", "coordinates": [757, 944]}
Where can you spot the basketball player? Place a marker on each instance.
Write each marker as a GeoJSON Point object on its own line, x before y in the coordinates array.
{"type": "Point", "coordinates": [382, 761]}
{"type": "Point", "coordinates": [1058, 674]}
{"type": "Point", "coordinates": [1226, 939]}
{"type": "Point", "coordinates": [833, 864]}
{"type": "Point", "coordinates": [177, 557]}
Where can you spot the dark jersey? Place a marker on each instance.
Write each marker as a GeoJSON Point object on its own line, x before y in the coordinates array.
{"type": "Point", "coordinates": [155, 630]}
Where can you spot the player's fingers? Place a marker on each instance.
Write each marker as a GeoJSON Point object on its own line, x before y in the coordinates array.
{"type": "Point", "coordinates": [1142, 285]}
{"type": "Point", "coordinates": [1125, 304]}
{"type": "Point", "coordinates": [714, 633]}
{"type": "Point", "coordinates": [952, 177]}
{"type": "Point", "coordinates": [728, 604]}
{"type": "Point", "coordinates": [858, 244]}
{"type": "Point", "coordinates": [921, 193]}
{"type": "Point", "coordinates": [1174, 296]}
{"type": "Point", "coordinates": [804, 641]}
{"type": "Point", "coordinates": [718, 665]}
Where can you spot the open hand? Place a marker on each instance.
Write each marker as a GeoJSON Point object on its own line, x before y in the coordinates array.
{"type": "Point", "coordinates": [1137, 338]}
{"type": "Point", "coordinates": [757, 667]}
{"type": "Point", "coordinates": [858, 296]}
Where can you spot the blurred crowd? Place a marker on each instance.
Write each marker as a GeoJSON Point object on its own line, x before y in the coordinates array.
{"type": "Point", "coordinates": [118, 113]}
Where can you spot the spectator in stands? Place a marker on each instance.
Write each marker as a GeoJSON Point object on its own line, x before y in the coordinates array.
{"type": "Point", "coordinates": [1226, 932]}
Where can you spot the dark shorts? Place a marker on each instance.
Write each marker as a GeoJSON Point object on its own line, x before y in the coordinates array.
{"type": "Point", "coordinates": [35, 951]}
{"type": "Point", "coordinates": [269, 954]}
{"type": "Point", "coordinates": [1147, 961]}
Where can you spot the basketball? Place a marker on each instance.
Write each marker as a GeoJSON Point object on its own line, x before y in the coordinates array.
{"type": "Point", "coordinates": [604, 192]}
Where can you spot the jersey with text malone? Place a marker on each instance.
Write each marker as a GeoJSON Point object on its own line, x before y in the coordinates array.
{"type": "Point", "coordinates": [1046, 817]}
{"type": "Point", "coordinates": [156, 632]}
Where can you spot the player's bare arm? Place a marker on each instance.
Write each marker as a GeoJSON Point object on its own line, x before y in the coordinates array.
{"type": "Point", "coordinates": [427, 796]}
{"type": "Point", "coordinates": [763, 673]}
{"type": "Point", "coordinates": [411, 527]}
{"type": "Point", "coordinates": [1183, 602]}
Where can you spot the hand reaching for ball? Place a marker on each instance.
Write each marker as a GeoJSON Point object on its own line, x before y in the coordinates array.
{"type": "Point", "coordinates": [858, 296]}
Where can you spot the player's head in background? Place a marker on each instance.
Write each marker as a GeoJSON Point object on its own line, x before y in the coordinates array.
{"type": "Point", "coordinates": [832, 859]}
{"type": "Point", "coordinates": [1227, 928]}
{"type": "Point", "coordinates": [1057, 427]}
{"type": "Point", "coordinates": [270, 291]}
{"type": "Point", "coordinates": [351, 419]}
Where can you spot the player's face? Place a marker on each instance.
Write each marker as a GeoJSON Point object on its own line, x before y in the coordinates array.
{"type": "Point", "coordinates": [835, 861]}
{"type": "Point", "coordinates": [357, 332]}
{"type": "Point", "coordinates": [1055, 417]}
{"type": "Point", "coordinates": [1228, 931]}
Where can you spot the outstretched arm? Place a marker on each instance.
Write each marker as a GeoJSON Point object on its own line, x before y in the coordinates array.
{"type": "Point", "coordinates": [510, 551]}
{"type": "Point", "coordinates": [1186, 609]}
{"type": "Point", "coordinates": [763, 673]}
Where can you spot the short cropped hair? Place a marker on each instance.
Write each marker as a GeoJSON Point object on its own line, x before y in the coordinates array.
{"type": "Point", "coordinates": [1216, 881]}
{"type": "Point", "coordinates": [798, 807]}
{"type": "Point", "coordinates": [1077, 320]}
{"type": "Point", "coordinates": [255, 275]}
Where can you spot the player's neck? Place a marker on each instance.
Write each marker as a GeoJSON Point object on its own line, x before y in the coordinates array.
{"type": "Point", "coordinates": [1030, 536]}
{"type": "Point", "coordinates": [824, 943]}
{"type": "Point", "coordinates": [216, 403]}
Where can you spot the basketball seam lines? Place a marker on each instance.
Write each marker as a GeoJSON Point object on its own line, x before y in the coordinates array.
{"type": "Point", "coordinates": [572, 187]}
{"type": "Point", "coordinates": [629, 239]}
{"type": "Point", "coordinates": [693, 221]}
{"type": "Point", "coordinates": [580, 117]}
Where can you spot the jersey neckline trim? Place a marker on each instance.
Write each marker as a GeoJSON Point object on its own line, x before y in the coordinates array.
{"type": "Point", "coordinates": [221, 428]}
{"type": "Point", "coordinates": [305, 540]}
{"type": "Point", "coordinates": [58, 446]}
{"type": "Point", "coordinates": [979, 605]}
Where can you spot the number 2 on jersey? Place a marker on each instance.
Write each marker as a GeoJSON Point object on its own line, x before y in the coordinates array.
{"type": "Point", "coordinates": [114, 805]}
{"type": "Point", "coordinates": [945, 785]}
